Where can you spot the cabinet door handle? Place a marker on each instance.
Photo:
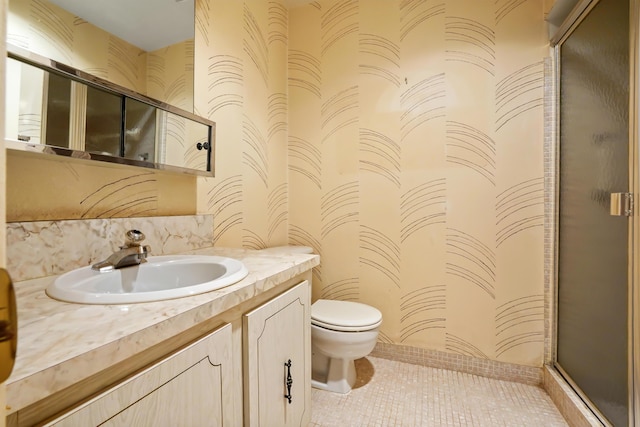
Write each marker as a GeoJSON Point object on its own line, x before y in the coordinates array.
{"type": "Point", "coordinates": [289, 381]}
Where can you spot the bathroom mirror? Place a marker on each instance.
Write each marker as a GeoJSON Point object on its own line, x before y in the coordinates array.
{"type": "Point", "coordinates": [143, 45]}
{"type": "Point", "coordinates": [55, 109]}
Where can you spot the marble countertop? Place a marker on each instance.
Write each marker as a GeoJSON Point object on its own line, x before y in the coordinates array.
{"type": "Point", "coordinates": [61, 343]}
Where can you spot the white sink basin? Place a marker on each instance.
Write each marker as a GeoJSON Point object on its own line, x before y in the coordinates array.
{"type": "Point", "coordinates": [160, 278]}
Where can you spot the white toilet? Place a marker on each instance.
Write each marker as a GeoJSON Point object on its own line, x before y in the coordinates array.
{"type": "Point", "coordinates": [341, 332]}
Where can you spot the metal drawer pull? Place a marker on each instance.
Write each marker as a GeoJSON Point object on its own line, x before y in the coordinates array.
{"type": "Point", "coordinates": [289, 381]}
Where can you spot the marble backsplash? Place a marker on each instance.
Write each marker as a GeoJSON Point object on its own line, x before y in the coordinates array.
{"type": "Point", "coordinates": [45, 248]}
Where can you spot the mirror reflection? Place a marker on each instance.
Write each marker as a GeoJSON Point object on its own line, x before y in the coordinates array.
{"type": "Point", "coordinates": [144, 45]}
{"type": "Point", "coordinates": [59, 114]}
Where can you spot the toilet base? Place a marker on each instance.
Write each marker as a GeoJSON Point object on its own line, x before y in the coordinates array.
{"type": "Point", "coordinates": [336, 375]}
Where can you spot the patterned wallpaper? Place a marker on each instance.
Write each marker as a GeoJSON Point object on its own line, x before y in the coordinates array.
{"type": "Point", "coordinates": [402, 139]}
{"type": "Point", "coordinates": [169, 74]}
{"type": "Point", "coordinates": [44, 28]}
{"type": "Point", "coordinates": [241, 84]}
{"type": "Point", "coordinates": [45, 188]}
{"type": "Point", "coordinates": [416, 166]}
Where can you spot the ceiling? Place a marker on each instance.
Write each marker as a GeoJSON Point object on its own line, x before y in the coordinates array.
{"type": "Point", "coordinates": [148, 24]}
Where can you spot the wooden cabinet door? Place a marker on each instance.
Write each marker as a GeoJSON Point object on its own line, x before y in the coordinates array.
{"type": "Point", "coordinates": [185, 389]}
{"type": "Point", "coordinates": [275, 333]}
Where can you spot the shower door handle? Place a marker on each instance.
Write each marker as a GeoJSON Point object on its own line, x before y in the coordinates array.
{"type": "Point", "coordinates": [621, 204]}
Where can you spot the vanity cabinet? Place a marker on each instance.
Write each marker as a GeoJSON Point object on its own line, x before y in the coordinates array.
{"type": "Point", "coordinates": [187, 388]}
{"type": "Point", "coordinates": [277, 360]}
{"type": "Point", "coordinates": [255, 370]}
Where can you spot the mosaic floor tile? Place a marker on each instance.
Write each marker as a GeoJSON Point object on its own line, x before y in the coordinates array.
{"type": "Point", "coordinates": [393, 394]}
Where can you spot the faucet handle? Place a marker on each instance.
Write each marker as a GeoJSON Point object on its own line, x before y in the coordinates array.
{"type": "Point", "coordinates": [134, 237]}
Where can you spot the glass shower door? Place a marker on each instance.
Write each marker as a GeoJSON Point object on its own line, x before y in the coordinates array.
{"type": "Point", "coordinates": [592, 335]}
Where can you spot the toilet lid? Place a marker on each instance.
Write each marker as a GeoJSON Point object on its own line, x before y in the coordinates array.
{"type": "Point", "coordinates": [345, 315]}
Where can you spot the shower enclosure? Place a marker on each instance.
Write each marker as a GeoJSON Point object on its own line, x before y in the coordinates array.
{"type": "Point", "coordinates": [595, 65]}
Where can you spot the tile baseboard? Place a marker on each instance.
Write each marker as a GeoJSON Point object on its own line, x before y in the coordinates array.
{"type": "Point", "coordinates": [456, 362]}
{"type": "Point", "coordinates": [572, 408]}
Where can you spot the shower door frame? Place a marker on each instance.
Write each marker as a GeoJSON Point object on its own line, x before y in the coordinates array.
{"type": "Point", "coordinates": [634, 224]}
{"type": "Point", "coordinates": [580, 11]}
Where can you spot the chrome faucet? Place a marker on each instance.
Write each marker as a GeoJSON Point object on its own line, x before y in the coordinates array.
{"type": "Point", "coordinates": [131, 253]}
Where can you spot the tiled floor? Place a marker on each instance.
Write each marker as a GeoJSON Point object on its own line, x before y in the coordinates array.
{"type": "Point", "coordinates": [390, 393]}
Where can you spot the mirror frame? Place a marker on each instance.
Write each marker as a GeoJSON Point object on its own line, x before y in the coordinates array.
{"type": "Point", "coordinates": [50, 65]}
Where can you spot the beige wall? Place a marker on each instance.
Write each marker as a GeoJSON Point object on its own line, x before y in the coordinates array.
{"type": "Point", "coordinates": [240, 81]}
{"type": "Point", "coordinates": [416, 166]}
{"type": "Point", "coordinates": [169, 75]}
{"type": "Point", "coordinates": [414, 157]}
{"type": "Point", "coordinates": [48, 188]}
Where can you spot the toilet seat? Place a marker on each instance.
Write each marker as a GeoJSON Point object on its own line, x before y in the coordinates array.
{"type": "Point", "coordinates": [345, 316]}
